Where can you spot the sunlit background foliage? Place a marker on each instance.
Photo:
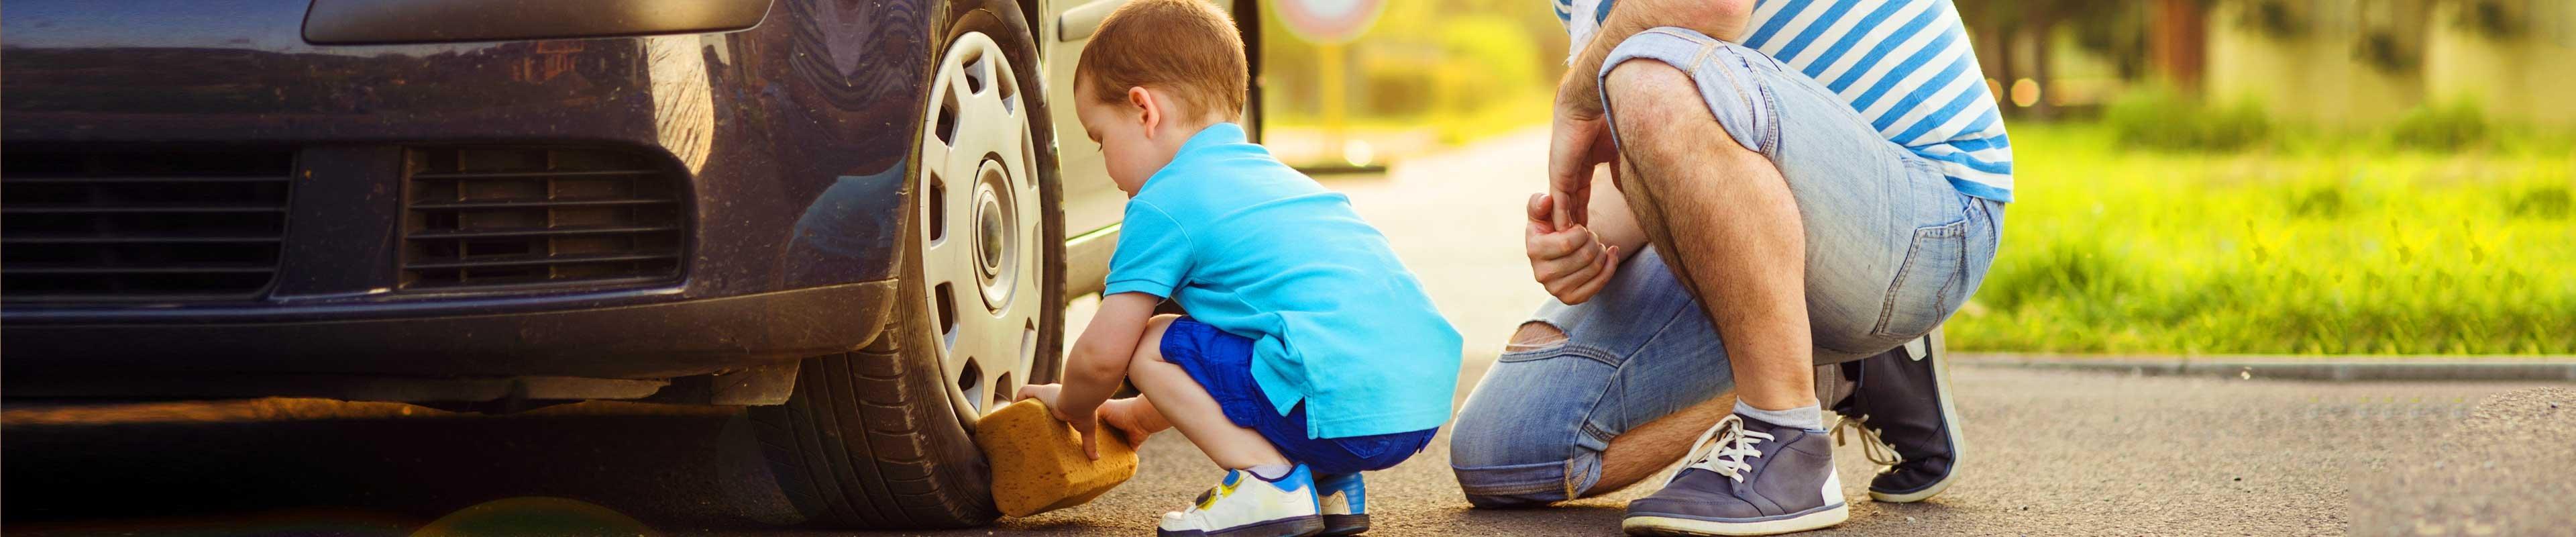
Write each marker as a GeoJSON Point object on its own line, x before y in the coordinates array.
{"type": "Point", "coordinates": [2194, 176]}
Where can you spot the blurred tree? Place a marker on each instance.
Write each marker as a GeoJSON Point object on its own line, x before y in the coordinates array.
{"type": "Point", "coordinates": [2276, 18]}
{"type": "Point", "coordinates": [2392, 34]}
{"type": "Point", "coordinates": [2495, 19]}
{"type": "Point", "coordinates": [2116, 31]}
{"type": "Point", "coordinates": [2014, 38]}
{"type": "Point", "coordinates": [2178, 43]}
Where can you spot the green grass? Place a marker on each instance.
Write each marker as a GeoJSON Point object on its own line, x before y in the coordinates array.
{"type": "Point", "coordinates": [2314, 249]}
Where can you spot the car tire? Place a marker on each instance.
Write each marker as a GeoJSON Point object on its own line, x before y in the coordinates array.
{"type": "Point", "coordinates": [878, 438]}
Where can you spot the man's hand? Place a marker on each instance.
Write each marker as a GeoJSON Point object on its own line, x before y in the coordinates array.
{"type": "Point", "coordinates": [1582, 137]}
{"type": "Point", "coordinates": [1564, 255]}
{"type": "Point", "coordinates": [1571, 262]}
{"type": "Point", "coordinates": [1086, 426]}
{"type": "Point", "coordinates": [1581, 140]}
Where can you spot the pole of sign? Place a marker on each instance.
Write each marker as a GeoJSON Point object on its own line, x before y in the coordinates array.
{"type": "Point", "coordinates": [1329, 59]}
{"type": "Point", "coordinates": [1331, 25]}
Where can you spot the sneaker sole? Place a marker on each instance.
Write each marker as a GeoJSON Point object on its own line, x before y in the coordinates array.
{"type": "Point", "coordinates": [1286, 527]}
{"type": "Point", "coordinates": [1949, 427]}
{"type": "Point", "coordinates": [1662, 525]}
{"type": "Point", "coordinates": [1338, 525]}
{"type": "Point", "coordinates": [1910, 497]}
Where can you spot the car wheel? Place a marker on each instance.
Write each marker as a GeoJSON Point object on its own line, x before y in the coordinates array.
{"type": "Point", "coordinates": [880, 437]}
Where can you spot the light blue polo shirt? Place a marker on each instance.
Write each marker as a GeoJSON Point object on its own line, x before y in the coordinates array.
{"type": "Point", "coordinates": [1254, 248]}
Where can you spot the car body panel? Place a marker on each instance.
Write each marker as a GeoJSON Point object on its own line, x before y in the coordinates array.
{"type": "Point", "coordinates": [794, 136]}
{"type": "Point", "coordinates": [788, 132]}
{"type": "Point", "coordinates": [797, 107]}
{"type": "Point", "coordinates": [1093, 204]}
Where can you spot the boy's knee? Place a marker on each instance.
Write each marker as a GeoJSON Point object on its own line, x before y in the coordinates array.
{"type": "Point", "coordinates": [1154, 327]}
{"type": "Point", "coordinates": [1149, 347]}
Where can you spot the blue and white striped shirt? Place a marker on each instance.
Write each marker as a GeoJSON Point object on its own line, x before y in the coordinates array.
{"type": "Point", "coordinates": [1904, 64]}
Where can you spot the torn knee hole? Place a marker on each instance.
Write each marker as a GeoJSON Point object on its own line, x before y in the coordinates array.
{"type": "Point", "coordinates": [1535, 335]}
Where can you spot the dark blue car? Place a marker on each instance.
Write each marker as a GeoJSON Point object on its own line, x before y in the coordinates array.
{"type": "Point", "coordinates": [857, 218]}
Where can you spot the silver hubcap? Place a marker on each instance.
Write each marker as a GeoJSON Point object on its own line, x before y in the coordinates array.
{"type": "Point", "coordinates": [979, 209]}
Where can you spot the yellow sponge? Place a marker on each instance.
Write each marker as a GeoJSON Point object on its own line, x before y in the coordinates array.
{"type": "Point", "coordinates": [1038, 465]}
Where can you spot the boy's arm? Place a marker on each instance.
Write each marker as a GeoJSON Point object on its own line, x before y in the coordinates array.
{"type": "Point", "coordinates": [1098, 363]}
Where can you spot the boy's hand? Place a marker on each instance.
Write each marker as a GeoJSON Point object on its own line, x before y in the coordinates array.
{"type": "Point", "coordinates": [1571, 261]}
{"type": "Point", "coordinates": [1086, 426]}
{"type": "Point", "coordinates": [1134, 418]}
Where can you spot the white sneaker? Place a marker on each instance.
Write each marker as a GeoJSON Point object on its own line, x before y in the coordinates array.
{"type": "Point", "coordinates": [1245, 505]}
{"type": "Point", "coordinates": [1344, 498]}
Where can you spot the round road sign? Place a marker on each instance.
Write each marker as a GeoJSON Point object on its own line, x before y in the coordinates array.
{"type": "Point", "coordinates": [1328, 21]}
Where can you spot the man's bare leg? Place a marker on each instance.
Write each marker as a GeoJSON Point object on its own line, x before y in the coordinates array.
{"type": "Point", "coordinates": [1727, 225]}
{"type": "Point", "coordinates": [1643, 452]}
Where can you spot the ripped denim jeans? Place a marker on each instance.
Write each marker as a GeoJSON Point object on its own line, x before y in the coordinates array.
{"type": "Point", "coordinates": [1892, 250]}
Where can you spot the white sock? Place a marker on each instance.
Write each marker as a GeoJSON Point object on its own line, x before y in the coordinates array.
{"type": "Point", "coordinates": [1271, 472]}
{"type": "Point", "coordinates": [1810, 417]}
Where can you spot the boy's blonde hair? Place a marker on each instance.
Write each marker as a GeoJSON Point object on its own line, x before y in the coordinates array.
{"type": "Point", "coordinates": [1185, 48]}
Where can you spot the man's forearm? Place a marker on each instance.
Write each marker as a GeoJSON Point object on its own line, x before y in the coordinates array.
{"type": "Point", "coordinates": [1722, 19]}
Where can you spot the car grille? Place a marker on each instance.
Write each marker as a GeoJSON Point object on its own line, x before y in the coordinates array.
{"type": "Point", "coordinates": [480, 217]}
{"type": "Point", "coordinates": [141, 223]}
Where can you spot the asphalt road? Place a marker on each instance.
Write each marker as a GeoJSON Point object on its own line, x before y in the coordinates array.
{"type": "Point", "coordinates": [2052, 453]}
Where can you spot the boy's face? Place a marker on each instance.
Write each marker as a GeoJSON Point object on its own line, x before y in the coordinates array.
{"type": "Point", "coordinates": [1125, 131]}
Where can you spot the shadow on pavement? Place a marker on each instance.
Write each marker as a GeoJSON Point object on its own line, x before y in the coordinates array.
{"type": "Point", "coordinates": [668, 466]}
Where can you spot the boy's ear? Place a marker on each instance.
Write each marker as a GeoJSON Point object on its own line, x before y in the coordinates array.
{"type": "Point", "coordinates": [1149, 111]}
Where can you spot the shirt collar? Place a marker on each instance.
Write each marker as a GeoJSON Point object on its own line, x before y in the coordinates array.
{"type": "Point", "coordinates": [1200, 144]}
{"type": "Point", "coordinates": [1218, 134]}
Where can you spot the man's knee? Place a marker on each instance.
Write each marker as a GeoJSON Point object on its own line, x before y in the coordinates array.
{"type": "Point", "coordinates": [1492, 484]}
{"type": "Point", "coordinates": [1662, 123]}
{"type": "Point", "coordinates": [1503, 460]}
{"type": "Point", "coordinates": [1645, 95]}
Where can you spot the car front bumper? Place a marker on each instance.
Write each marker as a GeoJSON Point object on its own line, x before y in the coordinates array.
{"type": "Point", "coordinates": [649, 341]}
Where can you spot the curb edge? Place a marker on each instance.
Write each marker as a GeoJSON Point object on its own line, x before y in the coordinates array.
{"type": "Point", "coordinates": [2543, 369]}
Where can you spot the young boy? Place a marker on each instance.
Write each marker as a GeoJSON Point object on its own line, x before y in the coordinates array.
{"type": "Point", "coordinates": [1309, 354]}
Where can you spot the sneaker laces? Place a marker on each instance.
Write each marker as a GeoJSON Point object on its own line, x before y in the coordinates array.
{"type": "Point", "coordinates": [1723, 448]}
{"type": "Point", "coordinates": [1871, 445]}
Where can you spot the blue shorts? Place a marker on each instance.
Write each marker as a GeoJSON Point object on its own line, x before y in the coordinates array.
{"type": "Point", "coordinates": [1222, 363]}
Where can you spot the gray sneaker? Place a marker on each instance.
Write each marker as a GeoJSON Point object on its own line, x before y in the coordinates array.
{"type": "Point", "coordinates": [1900, 408]}
{"type": "Point", "coordinates": [1746, 477]}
